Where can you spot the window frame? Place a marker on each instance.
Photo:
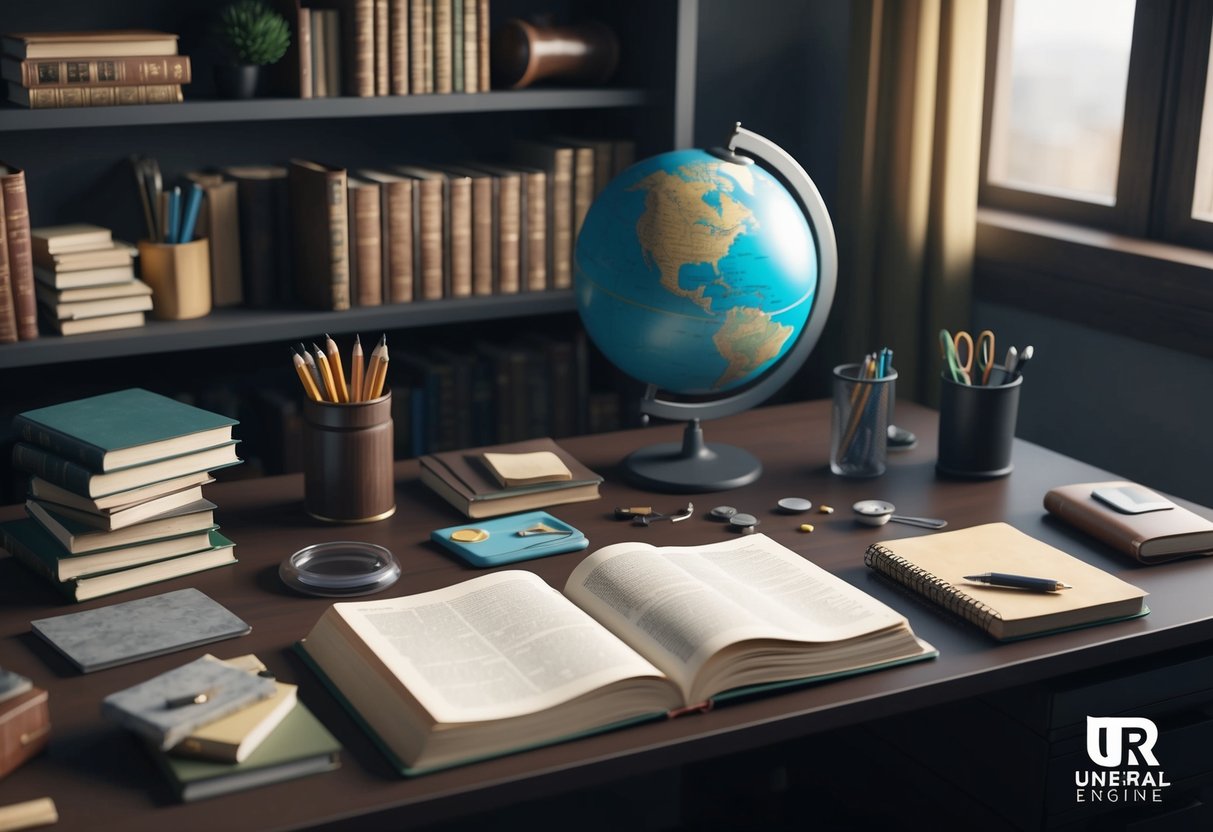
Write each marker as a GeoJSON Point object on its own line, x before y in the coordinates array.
{"type": "Point", "coordinates": [1146, 273]}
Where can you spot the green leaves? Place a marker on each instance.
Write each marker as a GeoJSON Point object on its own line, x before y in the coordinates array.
{"type": "Point", "coordinates": [253, 33]}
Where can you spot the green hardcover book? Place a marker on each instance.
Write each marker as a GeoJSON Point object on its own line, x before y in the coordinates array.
{"type": "Point", "coordinates": [121, 429]}
{"type": "Point", "coordinates": [88, 576]}
{"type": "Point", "coordinates": [85, 482]}
{"type": "Point", "coordinates": [299, 746]}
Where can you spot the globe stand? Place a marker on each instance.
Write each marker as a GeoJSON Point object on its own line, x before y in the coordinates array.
{"type": "Point", "coordinates": [692, 465]}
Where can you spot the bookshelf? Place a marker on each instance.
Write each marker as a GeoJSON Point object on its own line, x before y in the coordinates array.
{"type": "Point", "coordinates": [77, 171]}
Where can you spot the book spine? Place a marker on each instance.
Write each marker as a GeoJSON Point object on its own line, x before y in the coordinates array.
{"type": "Point", "coordinates": [303, 34]}
{"type": "Point", "coordinates": [443, 68]}
{"type": "Point", "coordinates": [457, 77]}
{"type": "Point", "coordinates": [583, 187]}
{"type": "Point", "coordinates": [459, 239]}
{"type": "Point", "coordinates": [51, 468]}
{"type": "Point", "coordinates": [20, 252]}
{"type": "Point", "coordinates": [509, 234]}
{"type": "Point", "coordinates": [8, 313]}
{"type": "Point", "coordinates": [223, 232]}
{"type": "Point", "coordinates": [482, 236]}
{"type": "Point", "coordinates": [482, 45]}
{"type": "Point", "coordinates": [560, 216]}
{"type": "Point", "coordinates": [398, 247]}
{"type": "Point", "coordinates": [430, 238]}
{"type": "Point", "coordinates": [929, 586]}
{"type": "Point", "coordinates": [361, 40]}
{"type": "Point", "coordinates": [57, 442]}
{"type": "Point", "coordinates": [65, 72]}
{"type": "Point", "coordinates": [383, 26]}
{"type": "Point", "coordinates": [471, 49]}
{"type": "Point", "coordinates": [398, 47]}
{"type": "Point", "coordinates": [417, 49]}
{"type": "Point", "coordinates": [365, 228]}
{"type": "Point", "coordinates": [338, 233]}
{"type": "Point", "coordinates": [536, 231]}
{"type": "Point", "coordinates": [54, 97]}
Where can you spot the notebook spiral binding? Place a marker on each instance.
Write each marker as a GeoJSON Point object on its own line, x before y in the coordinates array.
{"type": "Point", "coordinates": [929, 586]}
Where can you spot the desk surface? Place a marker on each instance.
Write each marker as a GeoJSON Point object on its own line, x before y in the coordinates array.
{"type": "Point", "coordinates": [101, 779]}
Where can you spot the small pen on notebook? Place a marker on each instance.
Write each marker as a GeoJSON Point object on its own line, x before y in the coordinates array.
{"type": "Point", "coordinates": [198, 698]}
{"type": "Point", "coordinates": [1019, 582]}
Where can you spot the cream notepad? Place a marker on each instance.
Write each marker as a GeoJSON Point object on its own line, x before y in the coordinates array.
{"type": "Point", "coordinates": [527, 469]}
{"type": "Point", "coordinates": [935, 566]}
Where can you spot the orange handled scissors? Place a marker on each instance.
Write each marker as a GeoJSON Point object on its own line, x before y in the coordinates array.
{"type": "Point", "coordinates": [961, 354]}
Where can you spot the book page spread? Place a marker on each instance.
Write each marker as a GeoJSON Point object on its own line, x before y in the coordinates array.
{"type": "Point", "coordinates": [681, 605]}
{"type": "Point", "coordinates": [493, 647]}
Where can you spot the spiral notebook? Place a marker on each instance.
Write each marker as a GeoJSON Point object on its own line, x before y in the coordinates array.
{"type": "Point", "coordinates": [934, 566]}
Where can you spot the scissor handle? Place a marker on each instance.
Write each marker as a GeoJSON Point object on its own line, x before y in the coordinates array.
{"type": "Point", "coordinates": [985, 354]}
{"type": "Point", "coordinates": [948, 346]}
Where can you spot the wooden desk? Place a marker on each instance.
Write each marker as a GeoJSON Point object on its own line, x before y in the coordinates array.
{"type": "Point", "coordinates": [101, 779]}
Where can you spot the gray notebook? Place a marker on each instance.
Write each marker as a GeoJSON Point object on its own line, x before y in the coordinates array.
{"type": "Point", "coordinates": [168, 708]}
{"type": "Point", "coordinates": [134, 630]}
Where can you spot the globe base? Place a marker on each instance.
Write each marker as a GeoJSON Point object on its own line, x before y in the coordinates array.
{"type": "Point", "coordinates": [692, 465]}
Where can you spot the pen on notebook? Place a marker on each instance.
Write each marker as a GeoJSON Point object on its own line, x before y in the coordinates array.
{"type": "Point", "coordinates": [196, 698]}
{"type": "Point", "coordinates": [1019, 581]}
{"type": "Point", "coordinates": [326, 374]}
{"type": "Point", "coordinates": [334, 356]}
{"type": "Point", "coordinates": [305, 376]}
{"type": "Point", "coordinates": [356, 367]}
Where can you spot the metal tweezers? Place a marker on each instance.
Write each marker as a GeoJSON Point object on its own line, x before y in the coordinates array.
{"type": "Point", "coordinates": [647, 519]}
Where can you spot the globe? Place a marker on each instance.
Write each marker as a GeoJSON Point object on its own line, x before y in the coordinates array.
{"type": "Point", "coordinates": [694, 273]}
{"type": "Point", "coordinates": [703, 275]}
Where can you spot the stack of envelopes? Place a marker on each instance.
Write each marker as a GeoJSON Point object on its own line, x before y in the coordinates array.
{"type": "Point", "coordinates": [216, 727]}
{"type": "Point", "coordinates": [115, 500]}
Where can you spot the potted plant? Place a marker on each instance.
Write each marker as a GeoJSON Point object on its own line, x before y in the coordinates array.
{"type": "Point", "coordinates": [252, 36]}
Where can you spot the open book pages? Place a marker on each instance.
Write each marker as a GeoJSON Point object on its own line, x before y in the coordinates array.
{"type": "Point", "coordinates": [504, 662]}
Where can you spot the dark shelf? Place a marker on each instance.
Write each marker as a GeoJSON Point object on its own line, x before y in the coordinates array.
{"type": "Point", "coordinates": [234, 327]}
{"type": "Point", "coordinates": [281, 109]}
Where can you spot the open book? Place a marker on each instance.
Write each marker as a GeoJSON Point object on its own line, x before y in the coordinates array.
{"type": "Point", "coordinates": [504, 662]}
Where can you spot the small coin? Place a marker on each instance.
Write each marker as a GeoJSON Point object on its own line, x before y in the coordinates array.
{"type": "Point", "coordinates": [469, 535]}
{"type": "Point", "coordinates": [722, 512]}
{"type": "Point", "coordinates": [743, 521]}
{"type": "Point", "coordinates": [795, 505]}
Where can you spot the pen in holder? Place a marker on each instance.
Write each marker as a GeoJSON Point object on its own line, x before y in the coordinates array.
{"type": "Point", "coordinates": [180, 277]}
{"type": "Point", "coordinates": [347, 460]}
{"type": "Point", "coordinates": [860, 424]}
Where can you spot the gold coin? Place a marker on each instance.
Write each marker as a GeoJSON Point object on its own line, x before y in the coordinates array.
{"type": "Point", "coordinates": [469, 535]}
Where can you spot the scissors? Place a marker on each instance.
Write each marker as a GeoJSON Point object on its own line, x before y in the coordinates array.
{"type": "Point", "coordinates": [961, 354]}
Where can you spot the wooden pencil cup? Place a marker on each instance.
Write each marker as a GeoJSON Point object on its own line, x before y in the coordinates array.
{"type": "Point", "coordinates": [180, 277]}
{"type": "Point", "coordinates": [347, 460]}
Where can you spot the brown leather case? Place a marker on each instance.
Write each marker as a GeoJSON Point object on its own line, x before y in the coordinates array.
{"type": "Point", "coordinates": [25, 726]}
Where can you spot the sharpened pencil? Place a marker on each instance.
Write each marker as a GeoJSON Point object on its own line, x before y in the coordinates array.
{"type": "Point", "coordinates": [372, 370]}
{"type": "Point", "coordinates": [326, 375]}
{"type": "Point", "coordinates": [305, 376]}
{"type": "Point", "coordinates": [334, 357]}
{"type": "Point", "coordinates": [356, 367]}
{"type": "Point", "coordinates": [311, 366]}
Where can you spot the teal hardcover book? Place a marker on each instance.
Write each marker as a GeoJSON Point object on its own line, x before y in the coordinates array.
{"type": "Point", "coordinates": [299, 746]}
{"type": "Point", "coordinates": [120, 429]}
{"type": "Point", "coordinates": [504, 662]}
{"type": "Point", "coordinates": [85, 482]}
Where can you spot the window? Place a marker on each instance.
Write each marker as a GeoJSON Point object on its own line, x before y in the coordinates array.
{"type": "Point", "coordinates": [1096, 189]}
{"type": "Point", "coordinates": [1098, 112]}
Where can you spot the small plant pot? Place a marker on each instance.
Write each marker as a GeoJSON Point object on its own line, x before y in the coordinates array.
{"type": "Point", "coordinates": [237, 81]}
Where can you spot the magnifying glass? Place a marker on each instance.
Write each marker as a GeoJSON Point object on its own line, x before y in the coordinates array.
{"type": "Point", "coordinates": [879, 512]}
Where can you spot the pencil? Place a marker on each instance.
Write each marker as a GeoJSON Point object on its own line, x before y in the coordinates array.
{"type": "Point", "coordinates": [380, 373]}
{"type": "Point", "coordinates": [372, 368]}
{"type": "Point", "coordinates": [326, 375]}
{"type": "Point", "coordinates": [305, 376]}
{"type": "Point", "coordinates": [311, 365]}
{"type": "Point", "coordinates": [356, 370]}
{"type": "Point", "coordinates": [334, 357]}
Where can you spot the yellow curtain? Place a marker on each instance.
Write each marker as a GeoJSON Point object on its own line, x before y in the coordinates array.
{"type": "Point", "coordinates": [906, 212]}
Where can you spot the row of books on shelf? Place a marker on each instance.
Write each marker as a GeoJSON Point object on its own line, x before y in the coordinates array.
{"type": "Point", "coordinates": [93, 68]}
{"type": "Point", "coordinates": [333, 238]}
{"type": "Point", "coordinates": [386, 47]}
{"type": "Point", "coordinates": [115, 491]}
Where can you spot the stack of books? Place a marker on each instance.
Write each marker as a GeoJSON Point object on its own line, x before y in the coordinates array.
{"type": "Point", "coordinates": [85, 281]}
{"type": "Point", "coordinates": [93, 68]}
{"type": "Point", "coordinates": [115, 500]}
{"type": "Point", "coordinates": [252, 732]}
{"type": "Point", "coordinates": [503, 479]}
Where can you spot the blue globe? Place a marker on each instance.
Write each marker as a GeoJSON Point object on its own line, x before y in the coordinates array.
{"type": "Point", "coordinates": [693, 273]}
